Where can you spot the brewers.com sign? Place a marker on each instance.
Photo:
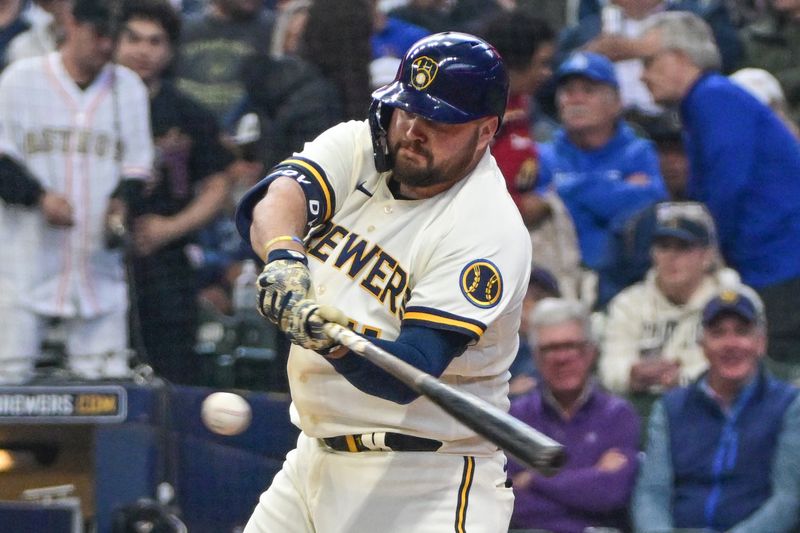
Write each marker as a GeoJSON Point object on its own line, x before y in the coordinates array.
{"type": "Point", "coordinates": [63, 404]}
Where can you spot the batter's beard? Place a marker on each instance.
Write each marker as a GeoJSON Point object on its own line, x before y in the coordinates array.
{"type": "Point", "coordinates": [429, 174]}
{"type": "Point", "coordinates": [412, 175]}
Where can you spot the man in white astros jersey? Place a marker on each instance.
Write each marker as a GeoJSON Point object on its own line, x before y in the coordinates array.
{"type": "Point", "coordinates": [401, 228]}
{"type": "Point", "coordinates": [75, 147]}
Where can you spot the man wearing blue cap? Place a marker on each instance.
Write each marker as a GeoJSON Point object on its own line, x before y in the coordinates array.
{"type": "Point", "coordinates": [595, 163]}
{"type": "Point", "coordinates": [723, 454]}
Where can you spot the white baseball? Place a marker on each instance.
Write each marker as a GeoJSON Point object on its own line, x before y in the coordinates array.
{"type": "Point", "coordinates": [225, 413]}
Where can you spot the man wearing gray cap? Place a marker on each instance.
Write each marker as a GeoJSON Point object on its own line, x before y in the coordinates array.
{"type": "Point", "coordinates": [723, 453]}
{"type": "Point", "coordinates": [650, 342]}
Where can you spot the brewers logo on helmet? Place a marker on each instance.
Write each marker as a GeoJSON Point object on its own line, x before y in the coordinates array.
{"type": "Point", "coordinates": [448, 77]}
{"type": "Point", "coordinates": [423, 70]}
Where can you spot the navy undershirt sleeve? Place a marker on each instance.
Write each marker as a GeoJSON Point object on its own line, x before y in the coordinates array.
{"type": "Point", "coordinates": [17, 185]}
{"type": "Point", "coordinates": [428, 349]}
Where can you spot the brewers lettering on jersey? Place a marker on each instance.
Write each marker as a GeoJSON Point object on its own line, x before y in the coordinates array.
{"type": "Point", "coordinates": [410, 238]}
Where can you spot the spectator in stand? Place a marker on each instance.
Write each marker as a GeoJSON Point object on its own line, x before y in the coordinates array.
{"type": "Point", "coordinates": [600, 169]}
{"type": "Point", "coordinates": [739, 11]}
{"type": "Point", "coordinates": [772, 42]}
{"type": "Point", "coordinates": [745, 12]}
{"type": "Point", "coordinates": [391, 36]}
{"type": "Point", "coordinates": [190, 188]}
{"type": "Point", "coordinates": [665, 131]}
{"type": "Point", "coordinates": [723, 454]}
{"type": "Point", "coordinates": [293, 101]}
{"type": "Point", "coordinates": [526, 45]}
{"type": "Point", "coordinates": [337, 41]}
{"type": "Point", "coordinates": [433, 15]}
{"type": "Point", "coordinates": [744, 167]}
{"type": "Point", "coordinates": [214, 46]}
{"type": "Point", "coordinates": [767, 89]}
{"type": "Point", "coordinates": [615, 32]}
{"type": "Point", "coordinates": [650, 342]}
{"type": "Point", "coordinates": [471, 15]}
{"type": "Point", "coordinates": [290, 24]}
{"type": "Point", "coordinates": [558, 13]}
{"type": "Point", "coordinates": [600, 432]}
{"type": "Point", "coordinates": [15, 18]}
{"type": "Point", "coordinates": [631, 237]}
{"type": "Point", "coordinates": [46, 31]}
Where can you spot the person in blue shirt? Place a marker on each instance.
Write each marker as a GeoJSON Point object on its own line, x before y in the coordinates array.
{"type": "Point", "coordinates": [744, 164]}
{"type": "Point", "coordinates": [723, 454]}
{"type": "Point", "coordinates": [392, 36]}
{"type": "Point", "coordinates": [598, 166]}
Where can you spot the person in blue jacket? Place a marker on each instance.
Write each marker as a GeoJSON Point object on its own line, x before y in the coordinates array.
{"type": "Point", "coordinates": [595, 162]}
{"type": "Point", "coordinates": [723, 454]}
{"type": "Point", "coordinates": [744, 164]}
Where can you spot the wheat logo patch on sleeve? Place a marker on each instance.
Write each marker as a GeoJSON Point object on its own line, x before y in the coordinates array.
{"type": "Point", "coordinates": [481, 283]}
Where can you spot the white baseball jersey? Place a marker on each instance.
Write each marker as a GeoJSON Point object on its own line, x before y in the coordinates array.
{"type": "Point", "coordinates": [459, 261]}
{"type": "Point", "coordinates": [642, 322]}
{"type": "Point", "coordinates": [77, 143]}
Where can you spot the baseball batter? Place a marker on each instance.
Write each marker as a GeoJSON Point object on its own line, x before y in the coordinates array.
{"type": "Point", "coordinates": [411, 238]}
{"type": "Point", "coordinates": [74, 132]}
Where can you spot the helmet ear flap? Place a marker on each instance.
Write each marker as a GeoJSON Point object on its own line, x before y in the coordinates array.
{"type": "Point", "coordinates": [379, 117]}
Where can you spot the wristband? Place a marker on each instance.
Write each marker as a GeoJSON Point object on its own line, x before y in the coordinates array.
{"type": "Point", "coordinates": [285, 253]}
{"type": "Point", "coordinates": [282, 238]}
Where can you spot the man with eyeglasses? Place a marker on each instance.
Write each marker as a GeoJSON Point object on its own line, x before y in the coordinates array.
{"type": "Point", "coordinates": [599, 431]}
{"type": "Point", "coordinates": [744, 164]}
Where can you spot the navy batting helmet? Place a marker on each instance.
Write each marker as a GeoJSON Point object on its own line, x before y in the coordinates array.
{"type": "Point", "coordinates": [447, 77]}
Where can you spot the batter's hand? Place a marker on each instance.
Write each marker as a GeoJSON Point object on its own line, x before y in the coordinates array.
{"type": "Point", "coordinates": [282, 284]}
{"type": "Point", "coordinates": [303, 323]}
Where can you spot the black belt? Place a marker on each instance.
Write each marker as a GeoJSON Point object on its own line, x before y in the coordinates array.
{"type": "Point", "coordinates": [381, 442]}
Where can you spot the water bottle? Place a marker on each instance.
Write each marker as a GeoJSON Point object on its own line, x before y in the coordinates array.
{"type": "Point", "coordinates": [244, 290]}
{"type": "Point", "coordinates": [255, 335]}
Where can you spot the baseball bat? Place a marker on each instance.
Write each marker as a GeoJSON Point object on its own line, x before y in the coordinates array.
{"type": "Point", "coordinates": [529, 446]}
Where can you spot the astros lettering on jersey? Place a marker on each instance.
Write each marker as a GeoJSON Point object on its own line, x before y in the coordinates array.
{"type": "Point", "coordinates": [77, 143]}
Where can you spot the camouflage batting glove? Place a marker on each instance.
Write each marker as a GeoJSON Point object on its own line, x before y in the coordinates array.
{"type": "Point", "coordinates": [284, 281]}
{"type": "Point", "coordinates": [303, 323]}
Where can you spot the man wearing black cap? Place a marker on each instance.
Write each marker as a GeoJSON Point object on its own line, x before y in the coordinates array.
{"type": "Point", "coordinates": [76, 140]}
{"type": "Point", "coordinates": [723, 453]}
{"type": "Point", "coordinates": [650, 342]}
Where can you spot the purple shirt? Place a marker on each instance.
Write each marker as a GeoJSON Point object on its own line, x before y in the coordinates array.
{"type": "Point", "coordinates": [580, 495]}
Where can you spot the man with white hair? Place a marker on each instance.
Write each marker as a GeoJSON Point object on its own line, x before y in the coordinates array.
{"type": "Point", "coordinates": [600, 432]}
{"type": "Point", "coordinates": [744, 164]}
{"type": "Point", "coordinates": [615, 29]}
